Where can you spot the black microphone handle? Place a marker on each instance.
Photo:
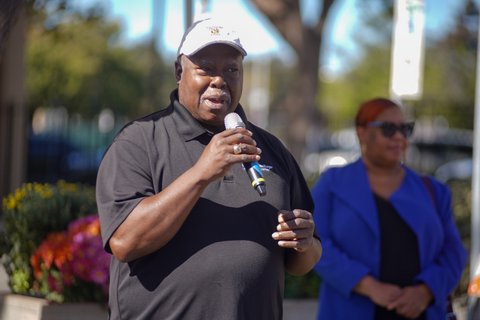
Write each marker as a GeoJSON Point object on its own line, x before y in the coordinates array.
{"type": "Point", "coordinates": [256, 177]}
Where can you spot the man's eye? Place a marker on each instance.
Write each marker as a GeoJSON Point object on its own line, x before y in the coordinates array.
{"type": "Point", "coordinates": [204, 70]}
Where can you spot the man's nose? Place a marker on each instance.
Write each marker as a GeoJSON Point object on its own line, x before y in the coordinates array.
{"type": "Point", "coordinates": [217, 81]}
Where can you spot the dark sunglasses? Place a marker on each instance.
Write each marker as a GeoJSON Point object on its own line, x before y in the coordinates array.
{"type": "Point", "coordinates": [389, 128]}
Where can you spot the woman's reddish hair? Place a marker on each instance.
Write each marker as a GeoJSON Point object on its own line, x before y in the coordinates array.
{"type": "Point", "coordinates": [371, 109]}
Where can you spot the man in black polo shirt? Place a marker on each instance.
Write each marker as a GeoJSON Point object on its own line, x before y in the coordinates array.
{"type": "Point", "coordinates": [190, 237]}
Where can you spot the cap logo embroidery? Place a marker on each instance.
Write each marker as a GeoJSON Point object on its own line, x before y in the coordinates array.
{"type": "Point", "coordinates": [206, 32]}
{"type": "Point", "coordinates": [214, 31]}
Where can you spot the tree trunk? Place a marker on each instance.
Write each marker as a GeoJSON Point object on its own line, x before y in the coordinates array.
{"type": "Point", "coordinates": [13, 135]}
{"type": "Point", "coordinates": [299, 114]}
{"type": "Point", "coordinates": [302, 113]}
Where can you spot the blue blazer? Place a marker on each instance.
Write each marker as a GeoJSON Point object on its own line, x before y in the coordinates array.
{"type": "Point", "coordinates": [346, 221]}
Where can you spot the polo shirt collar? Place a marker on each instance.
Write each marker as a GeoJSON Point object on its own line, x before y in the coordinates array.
{"type": "Point", "coordinates": [188, 126]}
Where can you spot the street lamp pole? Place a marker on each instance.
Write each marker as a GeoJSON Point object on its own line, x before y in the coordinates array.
{"type": "Point", "coordinates": [188, 13]}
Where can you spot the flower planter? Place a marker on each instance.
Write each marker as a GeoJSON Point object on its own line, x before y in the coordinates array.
{"type": "Point", "coordinates": [18, 307]}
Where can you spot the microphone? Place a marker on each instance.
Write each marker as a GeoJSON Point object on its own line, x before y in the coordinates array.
{"type": "Point", "coordinates": [233, 120]}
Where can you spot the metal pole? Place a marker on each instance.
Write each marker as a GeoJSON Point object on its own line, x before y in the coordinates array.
{"type": "Point", "coordinates": [188, 13]}
{"type": "Point", "coordinates": [473, 312]}
{"type": "Point", "coordinates": [158, 16]}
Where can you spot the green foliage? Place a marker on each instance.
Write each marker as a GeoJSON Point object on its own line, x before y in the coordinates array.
{"type": "Point", "coordinates": [73, 66]}
{"type": "Point", "coordinates": [449, 86]}
{"type": "Point", "coordinates": [304, 287]}
{"type": "Point", "coordinates": [29, 214]}
{"type": "Point", "coordinates": [448, 77]}
{"type": "Point", "coordinates": [342, 96]}
{"type": "Point", "coordinates": [462, 208]}
{"type": "Point", "coordinates": [74, 60]}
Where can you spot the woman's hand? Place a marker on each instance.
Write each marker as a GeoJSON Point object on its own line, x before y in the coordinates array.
{"type": "Point", "coordinates": [381, 293]}
{"type": "Point", "coordinates": [412, 302]}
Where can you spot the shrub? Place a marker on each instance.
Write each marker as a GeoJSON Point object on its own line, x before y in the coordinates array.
{"type": "Point", "coordinates": [46, 234]}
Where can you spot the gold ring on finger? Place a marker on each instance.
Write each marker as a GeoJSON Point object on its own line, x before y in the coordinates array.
{"type": "Point", "coordinates": [237, 149]}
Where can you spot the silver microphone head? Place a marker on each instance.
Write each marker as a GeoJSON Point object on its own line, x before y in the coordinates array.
{"type": "Point", "coordinates": [233, 120]}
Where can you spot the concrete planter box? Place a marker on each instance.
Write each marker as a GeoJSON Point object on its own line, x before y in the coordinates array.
{"type": "Point", "coordinates": [18, 307]}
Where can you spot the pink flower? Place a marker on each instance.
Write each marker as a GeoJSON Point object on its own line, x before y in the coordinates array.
{"type": "Point", "coordinates": [99, 275]}
{"type": "Point", "coordinates": [76, 254]}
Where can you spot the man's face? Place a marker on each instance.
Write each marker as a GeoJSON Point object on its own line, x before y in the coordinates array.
{"type": "Point", "coordinates": [210, 83]}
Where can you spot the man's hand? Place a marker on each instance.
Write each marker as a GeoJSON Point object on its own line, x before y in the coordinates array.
{"type": "Point", "coordinates": [295, 229]}
{"type": "Point", "coordinates": [219, 155]}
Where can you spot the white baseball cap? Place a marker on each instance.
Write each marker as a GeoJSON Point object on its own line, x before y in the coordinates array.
{"type": "Point", "coordinates": [208, 31]}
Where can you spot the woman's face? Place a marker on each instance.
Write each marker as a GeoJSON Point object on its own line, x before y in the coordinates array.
{"type": "Point", "coordinates": [379, 149]}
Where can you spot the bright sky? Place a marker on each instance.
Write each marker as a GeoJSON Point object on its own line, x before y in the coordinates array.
{"type": "Point", "coordinates": [138, 15]}
{"type": "Point", "coordinates": [258, 36]}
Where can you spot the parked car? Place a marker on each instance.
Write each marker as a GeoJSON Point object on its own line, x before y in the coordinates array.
{"type": "Point", "coordinates": [53, 157]}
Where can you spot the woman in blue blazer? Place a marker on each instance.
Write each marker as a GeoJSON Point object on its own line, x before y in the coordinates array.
{"type": "Point", "coordinates": [391, 248]}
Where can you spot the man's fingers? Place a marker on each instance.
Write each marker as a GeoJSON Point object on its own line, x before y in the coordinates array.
{"type": "Point", "coordinates": [298, 223]}
{"type": "Point", "coordinates": [299, 245]}
{"type": "Point", "coordinates": [291, 234]}
{"type": "Point", "coordinates": [285, 216]}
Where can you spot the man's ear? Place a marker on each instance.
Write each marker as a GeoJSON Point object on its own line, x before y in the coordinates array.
{"type": "Point", "coordinates": [178, 69]}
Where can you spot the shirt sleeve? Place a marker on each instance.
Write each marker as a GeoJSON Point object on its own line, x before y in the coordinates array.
{"type": "Point", "coordinates": [123, 180]}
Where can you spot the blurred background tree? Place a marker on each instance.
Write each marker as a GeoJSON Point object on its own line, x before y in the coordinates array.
{"type": "Point", "coordinates": [296, 111]}
{"type": "Point", "coordinates": [82, 86]}
{"type": "Point", "coordinates": [75, 60]}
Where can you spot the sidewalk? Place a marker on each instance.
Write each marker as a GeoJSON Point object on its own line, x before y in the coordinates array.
{"type": "Point", "coordinates": [299, 309]}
